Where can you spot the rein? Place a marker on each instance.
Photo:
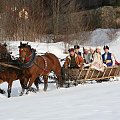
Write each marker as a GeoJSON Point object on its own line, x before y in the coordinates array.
{"type": "Point", "coordinates": [8, 65]}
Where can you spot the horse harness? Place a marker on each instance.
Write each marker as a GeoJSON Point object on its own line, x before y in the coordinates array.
{"type": "Point", "coordinates": [32, 61]}
{"type": "Point", "coordinates": [46, 64]}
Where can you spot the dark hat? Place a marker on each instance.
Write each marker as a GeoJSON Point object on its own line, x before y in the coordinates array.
{"type": "Point", "coordinates": [71, 50]}
{"type": "Point", "coordinates": [106, 47]}
{"type": "Point", "coordinates": [76, 47]}
{"type": "Point", "coordinates": [5, 44]}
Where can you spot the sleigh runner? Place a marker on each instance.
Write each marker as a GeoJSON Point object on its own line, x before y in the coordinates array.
{"type": "Point", "coordinates": [89, 74]}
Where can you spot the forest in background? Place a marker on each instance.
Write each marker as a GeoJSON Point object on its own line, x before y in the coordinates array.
{"type": "Point", "coordinates": [31, 20]}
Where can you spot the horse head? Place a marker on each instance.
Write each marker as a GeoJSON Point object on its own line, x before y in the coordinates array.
{"type": "Point", "coordinates": [25, 52]}
{"type": "Point", "coordinates": [4, 53]}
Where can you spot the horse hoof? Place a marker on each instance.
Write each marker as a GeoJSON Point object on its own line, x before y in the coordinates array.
{"type": "Point", "coordinates": [75, 84]}
{"type": "Point", "coordinates": [45, 89]}
{"type": "Point", "coordinates": [67, 85]}
{"type": "Point", "coordinates": [33, 90]}
{"type": "Point", "coordinates": [27, 92]}
{"type": "Point", "coordinates": [21, 94]}
{"type": "Point", "coordinates": [2, 91]}
{"type": "Point", "coordinates": [8, 96]}
{"type": "Point", "coordinates": [38, 90]}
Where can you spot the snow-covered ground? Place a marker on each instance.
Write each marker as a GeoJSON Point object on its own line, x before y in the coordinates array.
{"type": "Point", "coordinates": [99, 101]}
{"type": "Point", "coordinates": [84, 102]}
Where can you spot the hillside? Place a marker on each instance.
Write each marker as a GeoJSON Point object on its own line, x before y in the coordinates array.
{"type": "Point", "coordinates": [29, 20]}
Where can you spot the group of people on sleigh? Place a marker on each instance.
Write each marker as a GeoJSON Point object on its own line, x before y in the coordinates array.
{"type": "Point", "coordinates": [91, 57]}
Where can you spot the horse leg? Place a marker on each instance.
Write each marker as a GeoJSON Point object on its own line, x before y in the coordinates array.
{"type": "Point", "coordinates": [23, 82]}
{"type": "Point", "coordinates": [59, 78]}
{"type": "Point", "coordinates": [23, 89]}
{"type": "Point", "coordinates": [63, 73]}
{"type": "Point", "coordinates": [29, 88]}
{"type": "Point", "coordinates": [9, 88]}
{"type": "Point", "coordinates": [22, 92]}
{"type": "Point", "coordinates": [2, 91]}
{"type": "Point", "coordinates": [45, 82]}
{"type": "Point", "coordinates": [36, 83]}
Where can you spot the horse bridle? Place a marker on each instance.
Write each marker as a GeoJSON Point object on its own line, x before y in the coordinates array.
{"type": "Point", "coordinates": [26, 56]}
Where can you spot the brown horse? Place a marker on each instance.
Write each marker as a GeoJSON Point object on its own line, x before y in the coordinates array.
{"type": "Point", "coordinates": [35, 66]}
{"type": "Point", "coordinates": [8, 74]}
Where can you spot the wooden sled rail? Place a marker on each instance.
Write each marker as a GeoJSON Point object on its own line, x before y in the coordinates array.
{"type": "Point", "coordinates": [86, 74]}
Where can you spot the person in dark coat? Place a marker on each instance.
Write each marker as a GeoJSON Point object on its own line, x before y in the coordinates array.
{"type": "Point", "coordinates": [77, 48]}
{"type": "Point", "coordinates": [107, 57]}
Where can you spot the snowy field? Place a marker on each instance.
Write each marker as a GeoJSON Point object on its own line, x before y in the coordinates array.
{"type": "Point", "coordinates": [98, 101]}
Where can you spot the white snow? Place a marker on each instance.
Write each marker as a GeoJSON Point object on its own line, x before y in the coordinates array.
{"type": "Point", "coordinates": [87, 102]}
{"type": "Point", "coordinates": [98, 101]}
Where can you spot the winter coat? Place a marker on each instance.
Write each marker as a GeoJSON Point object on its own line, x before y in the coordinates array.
{"type": "Point", "coordinates": [78, 52]}
{"type": "Point", "coordinates": [107, 59]}
{"type": "Point", "coordinates": [97, 62]}
{"type": "Point", "coordinates": [78, 61]}
{"type": "Point", "coordinates": [90, 57]}
{"type": "Point", "coordinates": [87, 58]}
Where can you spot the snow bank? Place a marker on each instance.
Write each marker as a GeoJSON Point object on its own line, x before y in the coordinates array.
{"type": "Point", "coordinates": [41, 48]}
{"type": "Point", "coordinates": [100, 37]}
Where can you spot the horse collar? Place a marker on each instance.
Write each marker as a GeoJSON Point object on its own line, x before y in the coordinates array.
{"type": "Point", "coordinates": [30, 60]}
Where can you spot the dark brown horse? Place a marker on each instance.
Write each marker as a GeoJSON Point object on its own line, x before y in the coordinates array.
{"type": "Point", "coordinates": [8, 74]}
{"type": "Point", "coordinates": [4, 54]}
{"type": "Point", "coordinates": [35, 66]}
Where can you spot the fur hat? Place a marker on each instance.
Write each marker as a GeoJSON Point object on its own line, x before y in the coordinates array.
{"type": "Point", "coordinates": [92, 48]}
{"type": "Point", "coordinates": [106, 47]}
{"type": "Point", "coordinates": [98, 47]}
{"type": "Point", "coordinates": [86, 48]}
{"type": "Point", "coordinates": [71, 50]}
{"type": "Point", "coordinates": [76, 47]}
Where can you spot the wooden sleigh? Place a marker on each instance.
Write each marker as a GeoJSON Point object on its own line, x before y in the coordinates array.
{"type": "Point", "coordinates": [76, 76]}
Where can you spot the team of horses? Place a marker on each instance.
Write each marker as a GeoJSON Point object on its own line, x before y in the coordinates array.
{"type": "Point", "coordinates": [27, 68]}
